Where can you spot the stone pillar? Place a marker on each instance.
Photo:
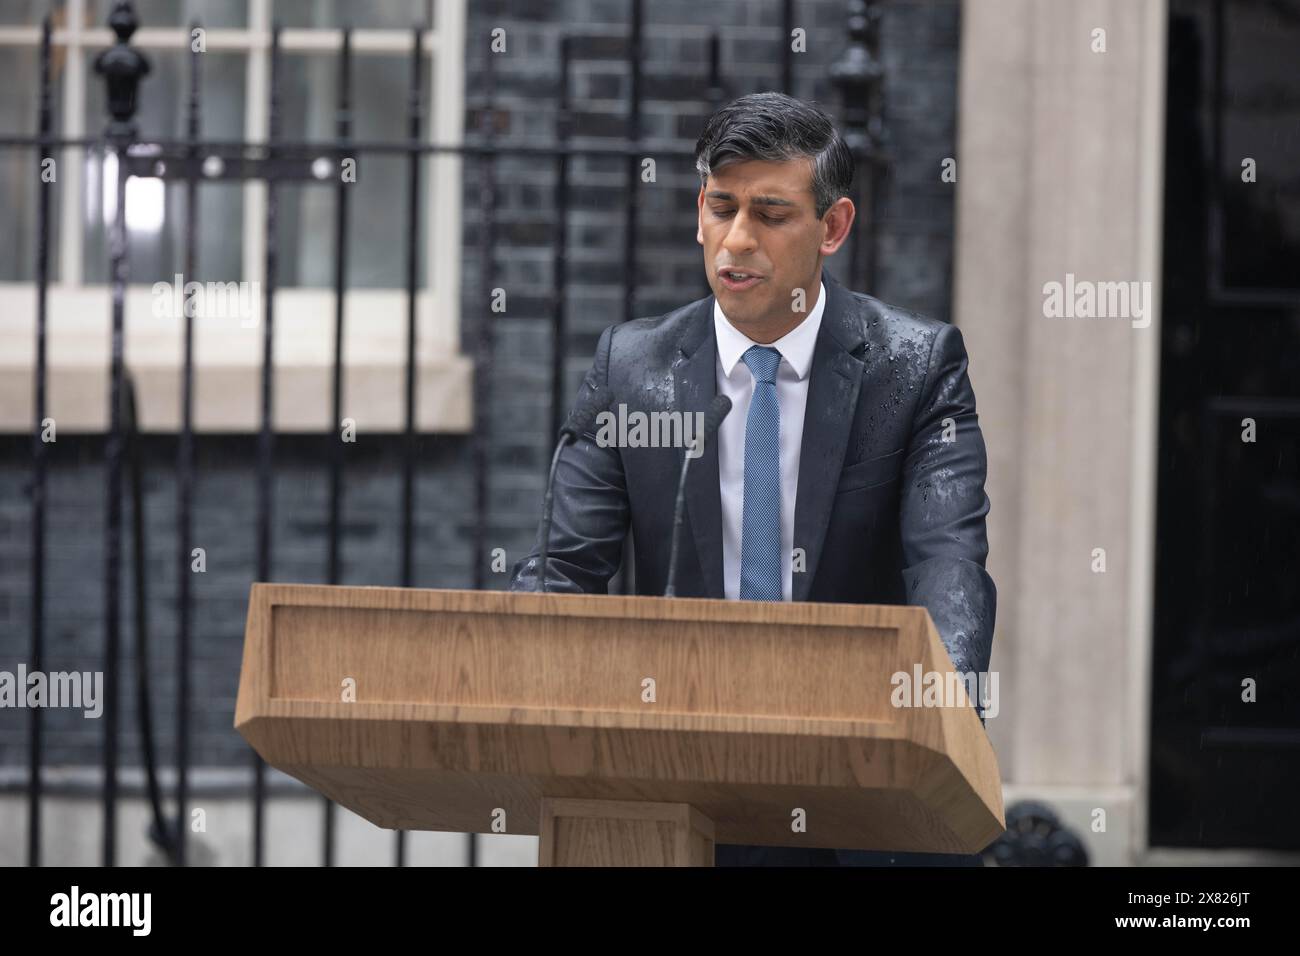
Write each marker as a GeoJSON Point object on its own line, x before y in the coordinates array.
{"type": "Point", "coordinates": [1060, 160]}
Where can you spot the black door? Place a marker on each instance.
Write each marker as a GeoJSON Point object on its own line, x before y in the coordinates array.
{"type": "Point", "coordinates": [1225, 736]}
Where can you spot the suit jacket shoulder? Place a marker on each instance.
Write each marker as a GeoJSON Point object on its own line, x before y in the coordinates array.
{"type": "Point", "coordinates": [902, 333]}
{"type": "Point", "coordinates": [862, 324]}
{"type": "Point", "coordinates": [641, 352]}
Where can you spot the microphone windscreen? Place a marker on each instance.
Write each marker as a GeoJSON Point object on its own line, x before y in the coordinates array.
{"type": "Point", "coordinates": [583, 417]}
{"type": "Point", "coordinates": [719, 410]}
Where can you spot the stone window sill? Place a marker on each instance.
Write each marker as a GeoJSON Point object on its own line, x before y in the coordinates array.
{"type": "Point", "coordinates": [228, 363]}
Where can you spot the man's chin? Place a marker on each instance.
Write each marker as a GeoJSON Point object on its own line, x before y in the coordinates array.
{"type": "Point", "coordinates": [741, 311]}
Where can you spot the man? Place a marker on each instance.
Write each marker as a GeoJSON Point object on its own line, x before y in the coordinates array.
{"type": "Point", "coordinates": [851, 467]}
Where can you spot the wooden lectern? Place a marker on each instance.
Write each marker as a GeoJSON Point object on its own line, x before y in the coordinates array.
{"type": "Point", "coordinates": [622, 730]}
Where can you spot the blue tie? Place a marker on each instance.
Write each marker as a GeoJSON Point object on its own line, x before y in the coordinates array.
{"type": "Point", "coordinates": [760, 527]}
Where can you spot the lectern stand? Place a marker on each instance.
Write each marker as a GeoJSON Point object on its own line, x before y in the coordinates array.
{"type": "Point", "coordinates": [623, 730]}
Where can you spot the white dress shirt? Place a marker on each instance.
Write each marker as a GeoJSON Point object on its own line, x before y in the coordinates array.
{"type": "Point", "coordinates": [737, 383]}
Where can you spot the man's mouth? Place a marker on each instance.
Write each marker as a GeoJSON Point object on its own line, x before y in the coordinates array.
{"type": "Point", "coordinates": [738, 280]}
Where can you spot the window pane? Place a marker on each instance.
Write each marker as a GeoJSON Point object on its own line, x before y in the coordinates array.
{"type": "Point", "coordinates": [163, 100]}
{"type": "Point", "coordinates": [390, 14]}
{"type": "Point", "coordinates": [20, 167]}
{"type": "Point", "coordinates": [30, 13]}
{"type": "Point", "coordinates": [178, 13]}
{"type": "Point", "coordinates": [1261, 120]}
{"type": "Point", "coordinates": [156, 215]}
{"type": "Point", "coordinates": [379, 198]}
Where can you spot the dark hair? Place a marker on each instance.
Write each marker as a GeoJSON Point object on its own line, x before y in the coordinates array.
{"type": "Point", "coordinates": [775, 128]}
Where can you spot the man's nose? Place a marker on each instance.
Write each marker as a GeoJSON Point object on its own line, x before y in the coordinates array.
{"type": "Point", "coordinates": [740, 239]}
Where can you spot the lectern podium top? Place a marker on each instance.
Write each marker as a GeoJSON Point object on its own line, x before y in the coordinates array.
{"type": "Point", "coordinates": [444, 709]}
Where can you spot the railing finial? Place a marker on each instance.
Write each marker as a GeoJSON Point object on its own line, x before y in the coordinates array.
{"type": "Point", "coordinates": [122, 67]}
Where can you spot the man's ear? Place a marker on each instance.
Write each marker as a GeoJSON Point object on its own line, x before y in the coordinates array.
{"type": "Point", "coordinates": [838, 220]}
{"type": "Point", "coordinates": [699, 216]}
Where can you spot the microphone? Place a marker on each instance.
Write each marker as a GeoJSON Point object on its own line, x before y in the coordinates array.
{"type": "Point", "coordinates": [712, 419]}
{"type": "Point", "coordinates": [579, 422]}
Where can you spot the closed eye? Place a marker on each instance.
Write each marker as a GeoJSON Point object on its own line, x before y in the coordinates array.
{"type": "Point", "coordinates": [725, 213]}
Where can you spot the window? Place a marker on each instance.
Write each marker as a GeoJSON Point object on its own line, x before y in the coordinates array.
{"type": "Point", "coordinates": [231, 217]}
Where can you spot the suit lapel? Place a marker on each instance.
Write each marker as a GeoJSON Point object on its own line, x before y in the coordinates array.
{"type": "Point", "coordinates": [835, 379]}
{"type": "Point", "coordinates": [696, 384]}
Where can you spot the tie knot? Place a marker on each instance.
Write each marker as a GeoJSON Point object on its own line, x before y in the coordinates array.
{"type": "Point", "coordinates": [762, 361]}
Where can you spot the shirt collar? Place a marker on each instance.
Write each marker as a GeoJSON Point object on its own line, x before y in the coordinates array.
{"type": "Point", "coordinates": [796, 346]}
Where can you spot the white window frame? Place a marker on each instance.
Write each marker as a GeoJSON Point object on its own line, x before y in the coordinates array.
{"type": "Point", "coordinates": [227, 355]}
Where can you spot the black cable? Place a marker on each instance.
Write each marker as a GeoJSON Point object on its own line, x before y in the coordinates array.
{"type": "Point", "coordinates": [160, 832]}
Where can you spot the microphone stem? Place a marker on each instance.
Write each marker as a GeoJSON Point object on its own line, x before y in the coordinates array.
{"type": "Point", "coordinates": [671, 590]}
{"type": "Point", "coordinates": [565, 440]}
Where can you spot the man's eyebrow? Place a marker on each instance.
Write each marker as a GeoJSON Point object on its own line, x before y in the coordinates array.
{"type": "Point", "coordinates": [757, 200]}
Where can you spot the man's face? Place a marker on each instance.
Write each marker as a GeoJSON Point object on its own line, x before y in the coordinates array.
{"type": "Point", "coordinates": [759, 218]}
